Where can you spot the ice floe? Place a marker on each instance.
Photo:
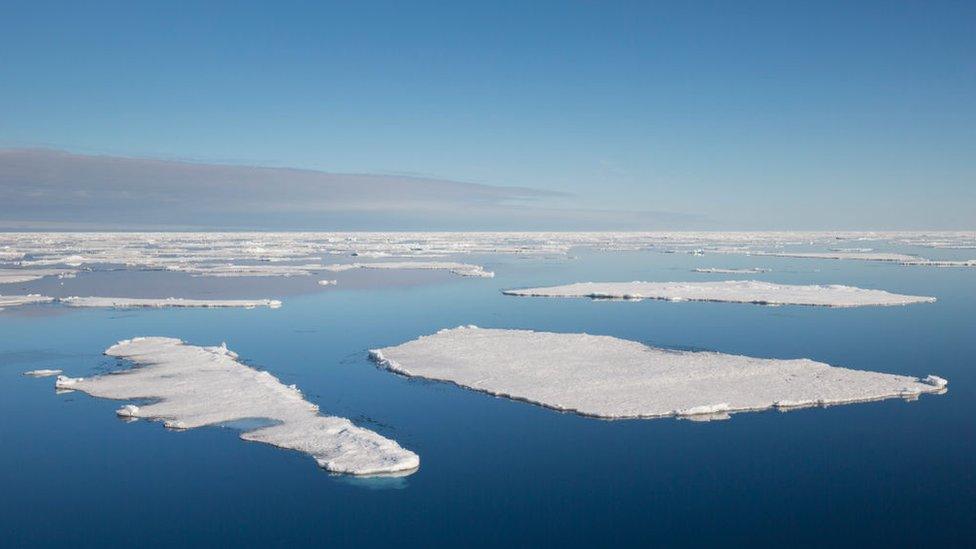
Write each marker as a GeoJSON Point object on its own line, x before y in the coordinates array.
{"type": "Point", "coordinates": [327, 282]}
{"type": "Point", "coordinates": [608, 377]}
{"type": "Point", "coordinates": [17, 300]}
{"type": "Point", "coordinates": [730, 291]}
{"type": "Point", "coordinates": [193, 386]}
{"type": "Point", "coordinates": [128, 302]}
{"type": "Point", "coordinates": [11, 276]}
{"type": "Point", "coordinates": [901, 259]}
{"type": "Point", "coordinates": [247, 270]}
{"type": "Point", "coordinates": [42, 373]}
{"type": "Point", "coordinates": [717, 270]}
{"type": "Point", "coordinates": [461, 269]}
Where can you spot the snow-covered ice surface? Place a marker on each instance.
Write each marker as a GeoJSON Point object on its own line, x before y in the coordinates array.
{"type": "Point", "coordinates": [42, 373]}
{"type": "Point", "coordinates": [718, 270]}
{"type": "Point", "coordinates": [128, 302]}
{"type": "Point", "coordinates": [17, 300]}
{"type": "Point", "coordinates": [461, 269]}
{"type": "Point", "coordinates": [11, 276]}
{"type": "Point", "coordinates": [195, 386]}
{"type": "Point", "coordinates": [729, 291]}
{"type": "Point", "coordinates": [608, 377]}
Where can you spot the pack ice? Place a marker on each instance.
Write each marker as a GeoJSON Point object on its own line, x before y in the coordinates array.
{"type": "Point", "coordinates": [608, 377]}
{"type": "Point", "coordinates": [195, 386]}
{"type": "Point", "coordinates": [730, 291]}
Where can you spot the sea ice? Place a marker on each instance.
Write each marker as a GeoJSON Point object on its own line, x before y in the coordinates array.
{"type": "Point", "coordinates": [11, 276]}
{"type": "Point", "coordinates": [730, 291]}
{"type": "Point", "coordinates": [17, 300]}
{"type": "Point", "coordinates": [42, 373]}
{"type": "Point", "coordinates": [327, 282]}
{"type": "Point", "coordinates": [608, 377]}
{"type": "Point", "coordinates": [461, 269]}
{"type": "Point", "coordinates": [195, 386]}
{"type": "Point", "coordinates": [127, 302]}
{"type": "Point", "coordinates": [716, 270]}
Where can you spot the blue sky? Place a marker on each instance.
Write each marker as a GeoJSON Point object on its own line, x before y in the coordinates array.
{"type": "Point", "coordinates": [738, 115]}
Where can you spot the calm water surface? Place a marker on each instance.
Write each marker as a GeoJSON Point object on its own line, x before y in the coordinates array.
{"type": "Point", "coordinates": [498, 472]}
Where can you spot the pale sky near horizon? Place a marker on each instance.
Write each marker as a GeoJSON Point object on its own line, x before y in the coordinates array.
{"type": "Point", "coordinates": [711, 115]}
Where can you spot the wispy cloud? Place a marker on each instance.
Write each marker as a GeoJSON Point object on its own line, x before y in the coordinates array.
{"type": "Point", "coordinates": [40, 186]}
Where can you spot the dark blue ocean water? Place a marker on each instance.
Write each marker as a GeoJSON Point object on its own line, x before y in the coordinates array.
{"type": "Point", "coordinates": [497, 472]}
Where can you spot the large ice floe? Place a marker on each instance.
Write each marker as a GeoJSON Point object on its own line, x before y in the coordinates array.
{"type": "Point", "coordinates": [193, 386]}
{"type": "Point", "coordinates": [729, 291]}
{"type": "Point", "coordinates": [608, 377]}
{"type": "Point", "coordinates": [461, 269]}
{"type": "Point", "coordinates": [18, 300]}
{"type": "Point", "coordinates": [130, 302]}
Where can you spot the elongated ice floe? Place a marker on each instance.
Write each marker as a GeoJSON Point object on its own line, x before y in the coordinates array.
{"type": "Point", "coordinates": [729, 291]}
{"type": "Point", "coordinates": [718, 270]}
{"type": "Point", "coordinates": [195, 386]}
{"type": "Point", "coordinates": [12, 276]}
{"type": "Point", "coordinates": [608, 377]}
{"type": "Point", "coordinates": [461, 269]}
{"type": "Point", "coordinates": [42, 373]}
{"type": "Point", "coordinates": [129, 302]}
{"type": "Point", "coordinates": [17, 300]}
{"type": "Point", "coordinates": [901, 259]}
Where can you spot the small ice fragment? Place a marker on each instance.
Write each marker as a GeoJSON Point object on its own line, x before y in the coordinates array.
{"type": "Point", "coordinates": [327, 282]}
{"type": "Point", "coordinates": [935, 381]}
{"type": "Point", "coordinates": [129, 410]}
{"type": "Point", "coordinates": [67, 383]}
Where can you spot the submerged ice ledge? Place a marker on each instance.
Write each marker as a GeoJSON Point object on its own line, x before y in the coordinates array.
{"type": "Point", "coordinates": [129, 302]}
{"type": "Point", "coordinates": [461, 269]}
{"type": "Point", "coordinates": [608, 377]}
{"type": "Point", "coordinates": [730, 291]}
{"type": "Point", "coordinates": [197, 386]}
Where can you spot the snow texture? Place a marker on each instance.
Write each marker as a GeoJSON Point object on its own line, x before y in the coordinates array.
{"type": "Point", "coordinates": [608, 377]}
{"type": "Point", "coordinates": [729, 291]}
{"type": "Point", "coordinates": [193, 386]}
